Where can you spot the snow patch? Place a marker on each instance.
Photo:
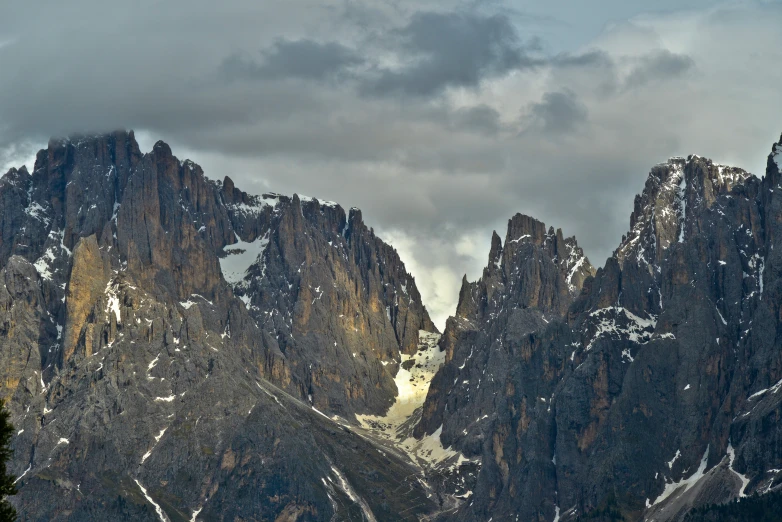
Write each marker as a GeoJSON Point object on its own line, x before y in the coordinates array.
{"type": "Point", "coordinates": [240, 257]}
{"type": "Point", "coordinates": [157, 439]}
{"type": "Point", "coordinates": [160, 435]}
{"type": "Point", "coordinates": [343, 484]}
{"type": "Point", "coordinates": [682, 198]}
{"type": "Point", "coordinates": [572, 272]}
{"type": "Point", "coordinates": [675, 457]}
{"type": "Point", "coordinates": [36, 211]}
{"type": "Point", "coordinates": [429, 451]}
{"type": "Point", "coordinates": [721, 318]}
{"type": "Point", "coordinates": [412, 386]}
{"type": "Point", "coordinates": [684, 484]}
{"type": "Point", "coordinates": [43, 264]}
{"type": "Point", "coordinates": [195, 514]}
{"type": "Point", "coordinates": [758, 264]}
{"type": "Point", "coordinates": [29, 467]}
{"type": "Point", "coordinates": [619, 323]}
{"type": "Point", "coordinates": [743, 478]}
{"type": "Point", "coordinates": [773, 389]}
{"type": "Point", "coordinates": [323, 203]}
{"type": "Point", "coordinates": [112, 305]}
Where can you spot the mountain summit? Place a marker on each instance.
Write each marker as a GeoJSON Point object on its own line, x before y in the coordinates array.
{"type": "Point", "coordinates": [655, 389]}
{"type": "Point", "coordinates": [165, 334]}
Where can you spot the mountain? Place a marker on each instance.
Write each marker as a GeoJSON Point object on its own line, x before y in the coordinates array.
{"type": "Point", "coordinates": [177, 349]}
{"type": "Point", "coordinates": [174, 346]}
{"type": "Point", "coordinates": [647, 389]}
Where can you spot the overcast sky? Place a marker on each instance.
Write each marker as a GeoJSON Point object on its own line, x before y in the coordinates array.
{"type": "Point", "coordinates": [439, 119]}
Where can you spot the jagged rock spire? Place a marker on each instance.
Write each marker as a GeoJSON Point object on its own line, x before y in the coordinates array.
{"type": "Point", "coordinates": [495, 252]}
{"type": "Point", "coordinates": [668, 209]}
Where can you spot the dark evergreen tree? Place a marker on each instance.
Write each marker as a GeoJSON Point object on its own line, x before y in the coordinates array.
{"type": "Point", "coordinates": [757, 508]}
{"type": "Point", "coordinates": [7, 487]}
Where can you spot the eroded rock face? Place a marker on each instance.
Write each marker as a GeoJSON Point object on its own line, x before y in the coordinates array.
{"type": "Point", "coordinates": [492, 357]}
{"type": "Point", "coordinates": [656, 389]}
{"type": "Point", "coordinates": [87, 284]}
{"type": "Point", "coordinates": [147, 368]}
{"type": "Point", "coordinates": [339, 302]}
{"type": "Point", "coordinates": [23, 321]}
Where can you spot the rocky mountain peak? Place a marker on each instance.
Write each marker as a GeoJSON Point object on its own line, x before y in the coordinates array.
{"type": "Point", "coordinates": [162, 149]}
{"type": "Point", "coordinates": [523, 228]}
{"type": "Point", "coordinates": [495, 251]}
{"type": "Point", "coordinates": [179, 234]}
{"type": "Point", "coordinates": [565, 253]}
{"type": "Point", "coordinates": [659, 382]}
{"type": "Point", "coordinates": [776, 157]}
{"type": "Point", "coordinates": [671, 205]}
{"type": "Point", "coordinates": [540, 267]}
{"type": "Point", "coordinates": [529, 282]}
{"type": "Point", "coordinates": [156, 313]}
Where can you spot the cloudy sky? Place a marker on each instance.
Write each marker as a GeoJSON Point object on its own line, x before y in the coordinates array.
{"type": "Point", "coordinates": [440, 119]}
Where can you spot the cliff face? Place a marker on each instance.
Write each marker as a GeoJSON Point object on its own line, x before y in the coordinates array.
{"type": "Point", "coordinates": [152, 322]}
{"type": "Point", "coordinates": [337, 300]}
{"type": "Point", "coordinates": [656, 389]}
{"type": "Point", "coordinates": [529, 282]}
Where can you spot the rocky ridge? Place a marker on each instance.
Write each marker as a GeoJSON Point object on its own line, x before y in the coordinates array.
{"type": "Point", "coordinates": [654, 389]}
{"type": "Point", "coordinates": [174, 346]}
{"type": "Point", "coordinates": [152, 377]}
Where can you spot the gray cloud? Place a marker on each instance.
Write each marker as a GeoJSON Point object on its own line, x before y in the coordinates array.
{"type": "Point", "coordinates": [478, 118]}
{"type": "Point", "coordinates": [434, 156]}
{"type": "Point", "coordinates": [588, 59]}
{"type": "Point", "coordinates": [558, 112]}
{"type": "Point", "coordinates": [15, 155]}
{"type": "Point", "coordinates": [659, 66]}
{"type": "Point", "coordinates": [450, 50]}
{"type": "Point", "coordinates": [304, 59]}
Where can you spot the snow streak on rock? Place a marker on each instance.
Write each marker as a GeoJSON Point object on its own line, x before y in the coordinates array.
{"type": "Point", "coordinates": [684, 484]}
{"type": "Point", "coordinates": [160, 513]}
{"type": "Point", "coordinates": [618, 323]}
